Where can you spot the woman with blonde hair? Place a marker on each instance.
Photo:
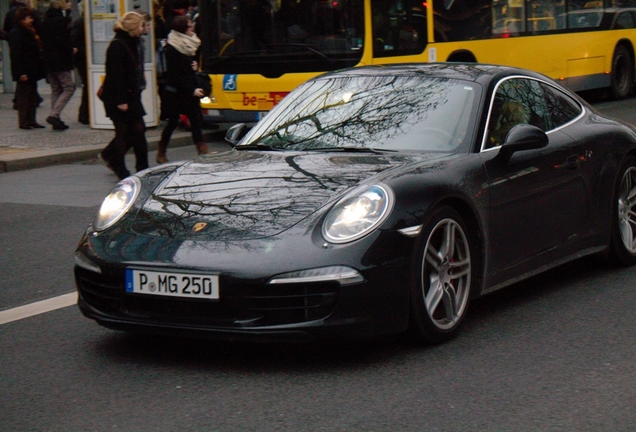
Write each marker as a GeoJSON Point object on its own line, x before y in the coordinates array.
{"type": "Point", "coordinates": [121, 94]}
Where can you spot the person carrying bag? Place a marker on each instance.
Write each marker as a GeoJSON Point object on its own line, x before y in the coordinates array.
{"type": "Point", "coordinates": [121, 95]}
{"type": "Point", "coordinates": [182, 89]}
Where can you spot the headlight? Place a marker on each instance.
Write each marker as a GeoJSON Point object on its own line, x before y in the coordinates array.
{"type": "Point", "coordinates": [117, 203]}
{"type": "Point", "coordinates": [357, 214]}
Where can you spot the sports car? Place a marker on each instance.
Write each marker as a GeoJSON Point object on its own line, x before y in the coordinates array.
{"type": "Point", "coordinates": [370, 201]}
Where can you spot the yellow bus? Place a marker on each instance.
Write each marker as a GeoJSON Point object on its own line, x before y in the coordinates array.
{"type": "Point", "coordinates": [257, 51]}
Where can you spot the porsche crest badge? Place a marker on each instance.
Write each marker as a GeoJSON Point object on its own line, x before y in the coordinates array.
{"type": "Point", "coordinates": [199, 226]}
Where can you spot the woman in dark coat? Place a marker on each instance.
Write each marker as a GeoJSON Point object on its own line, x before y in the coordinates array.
{"type": "Point", "coordinates": [182, 93]}
{"type": "Point", "coordinates": [121, 94]}
{"type": "Point", "coordinates": [27, 66]}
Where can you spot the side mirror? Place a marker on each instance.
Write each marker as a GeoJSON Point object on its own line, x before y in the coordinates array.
{"type": "Point", "coordinates": [523, 137]}
{"type": "Point", "coordinates": [236, 133]}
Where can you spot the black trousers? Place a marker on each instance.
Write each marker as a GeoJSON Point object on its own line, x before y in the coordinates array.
{"type": "Point", "coordinates": [26, 98]}
{"type": "Point", "coordinates": [193, 111]}
{"type": "Point", "coordinates": [82, 114]}
{"type": "Point", "coordinates": [128, 133]}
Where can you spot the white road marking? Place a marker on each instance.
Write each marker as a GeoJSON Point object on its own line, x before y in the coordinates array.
{"type": "Point", "coordinates": [38, 308]}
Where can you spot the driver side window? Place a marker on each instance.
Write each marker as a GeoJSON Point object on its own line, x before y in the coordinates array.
{"type": "Point", "coordinates": [516, 101]}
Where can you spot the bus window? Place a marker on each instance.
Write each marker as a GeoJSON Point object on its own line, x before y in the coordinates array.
{"type": "Point", "coordinates": [543, 15]}
{"type": "Point", "coordinates": [273, 38]}
{"type": "Point", "coordinates": [508, 17]}
{"type": "Point", "coordinates": [461, 20]}
{"type": "Point", "coordinates": [584, 14]}
{"type": "Point", "coordinates": [512, 17]}
{"type": "Point", "coordinates": [624, 21]}
{"type": "Point", "coordinates": [399, 27]}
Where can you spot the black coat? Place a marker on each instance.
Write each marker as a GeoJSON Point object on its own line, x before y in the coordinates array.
{"type": "Point", "coordinates": [25, 55]}
{"type": "Point", "coordinates": [181, 82]}
{"type": "Point", "coordinates": [121, 85]}
{"type": "Point", "coordinates": [56, 36]}
{"type": "Point", "coordinates": [78, 40]}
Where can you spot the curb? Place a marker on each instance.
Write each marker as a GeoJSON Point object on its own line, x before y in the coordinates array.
{"type": "Point", "coordinates": [43, 158]}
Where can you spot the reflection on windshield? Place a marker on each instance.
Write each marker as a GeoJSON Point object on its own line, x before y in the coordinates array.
{"type": "Point", "coordinates": [374, 112]}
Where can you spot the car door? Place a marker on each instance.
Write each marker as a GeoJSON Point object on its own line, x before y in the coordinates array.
{"type": "Point", "coordinates": [536, 197]}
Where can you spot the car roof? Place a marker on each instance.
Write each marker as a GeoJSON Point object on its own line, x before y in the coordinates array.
{"type": "Point", "coordinates": [476, 72]}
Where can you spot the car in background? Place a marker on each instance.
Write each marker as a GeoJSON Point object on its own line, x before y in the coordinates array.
{"type": "Point", "coordinates": [370, 201]}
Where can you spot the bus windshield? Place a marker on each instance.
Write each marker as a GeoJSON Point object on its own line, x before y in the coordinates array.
{"type": "Point", "coordinates": [274, 37]}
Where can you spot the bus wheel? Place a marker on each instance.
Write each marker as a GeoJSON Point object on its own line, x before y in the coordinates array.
{"type": "Point", "coordinates": [622, 73]}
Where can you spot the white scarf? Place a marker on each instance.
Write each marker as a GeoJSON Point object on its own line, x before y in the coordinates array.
{"type": "Point", "coordinates": [186, 45]}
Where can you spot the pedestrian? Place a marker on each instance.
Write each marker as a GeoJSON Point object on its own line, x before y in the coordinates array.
{"type": "Point", "coordinates": [27, 66]}
{"type": "Point", "coordinates": [182, 91]}
{"type": "Point", "coordinates": [121, 95]}
{"type": "Point", "coordinates": [78, 42]}
{"type": "Point", "coordinates": [173, 9]}
{"type": "Point", "coordinates": [161, 36]}
{"type": "Point", "coordinates": [9, 18]}
{"type": "Point", "coordinates": [9, 22]}
{"type": "Point", "coordinates": [58, 58]}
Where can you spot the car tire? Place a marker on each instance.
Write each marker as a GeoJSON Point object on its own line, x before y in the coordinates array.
{"type": "Point", "coordinates": [622, 76]}
{"type": "Point", "coordinates": [442, 277]}
{"type": "Point", "coordinates": [623, 241]}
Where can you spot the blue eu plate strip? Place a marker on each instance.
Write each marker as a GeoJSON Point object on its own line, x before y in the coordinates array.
{"type": "Point", "coordinates": [129, 280]}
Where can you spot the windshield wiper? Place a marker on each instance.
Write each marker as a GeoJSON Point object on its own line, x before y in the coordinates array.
{"type": "Point", "coordinates": [243, 54]}
{"type": "Point", "coordinates": [257, 146]}
{"type": "Point", "coordinates": [304, 46]}
{"type": "Point", "coordinates": [351, 150]}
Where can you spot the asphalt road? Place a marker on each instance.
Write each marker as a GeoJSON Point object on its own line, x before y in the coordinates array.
{"type": "Point", "coordinates": [552, 353]}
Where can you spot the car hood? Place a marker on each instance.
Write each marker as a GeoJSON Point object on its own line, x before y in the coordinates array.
{"type": "Point", "coordinates": [240, 195]}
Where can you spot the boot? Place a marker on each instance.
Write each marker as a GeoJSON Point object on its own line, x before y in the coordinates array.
{"type": "Point", "coordinates": [161, 153]}
{"type": "Point", "coordinates": [202, 148]}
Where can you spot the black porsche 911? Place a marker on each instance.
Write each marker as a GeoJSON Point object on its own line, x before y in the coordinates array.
{"type": "Point", "coordinates": [370, 201]}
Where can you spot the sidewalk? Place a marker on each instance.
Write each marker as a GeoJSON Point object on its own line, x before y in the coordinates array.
{"type": "Point", "coordinates": [25, 149]}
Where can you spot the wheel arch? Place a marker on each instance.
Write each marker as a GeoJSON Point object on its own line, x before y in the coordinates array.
{"type": "Point", "coordinates": [463, 56]}
{"type": "Point", "coordinates": [627, 44]}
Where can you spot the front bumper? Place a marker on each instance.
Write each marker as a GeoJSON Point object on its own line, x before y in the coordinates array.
{"type": "Point", "coordinates": [251, 310]}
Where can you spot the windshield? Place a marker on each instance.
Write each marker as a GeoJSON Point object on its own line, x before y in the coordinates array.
{"type": "Point", "coordinates": [273, 37]}
{"type": "Point", "coordinates": [376, 113]}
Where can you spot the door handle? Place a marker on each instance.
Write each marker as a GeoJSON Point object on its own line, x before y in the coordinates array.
{"type": "Point", "coordinates": [572, 162]}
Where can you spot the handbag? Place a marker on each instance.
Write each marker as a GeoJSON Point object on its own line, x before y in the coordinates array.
{"type": "Point", "coordinates": [204, 83]}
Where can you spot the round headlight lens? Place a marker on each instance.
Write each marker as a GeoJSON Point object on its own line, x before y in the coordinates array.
{"type": "Point", "coordinates": [357, 214]}
{"type": "Point", "coordinates": [117, 203]}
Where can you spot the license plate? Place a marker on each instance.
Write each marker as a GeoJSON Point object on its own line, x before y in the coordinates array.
{"type": "Point", "coordinates": [172, 284]}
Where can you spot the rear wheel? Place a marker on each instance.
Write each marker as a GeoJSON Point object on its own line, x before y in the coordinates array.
{"type": "Point", "coordinates": [441, 284]}
{"type": "Point", "coordinates": [623, 243]}
{"type": "Point", "coordinates": [622, 73]}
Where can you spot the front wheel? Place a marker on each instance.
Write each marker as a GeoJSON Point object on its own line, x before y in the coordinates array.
{"type": "Point", "coordinates": [441, 283]}
{"type": "Point", "coordinates": [623, 243]}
